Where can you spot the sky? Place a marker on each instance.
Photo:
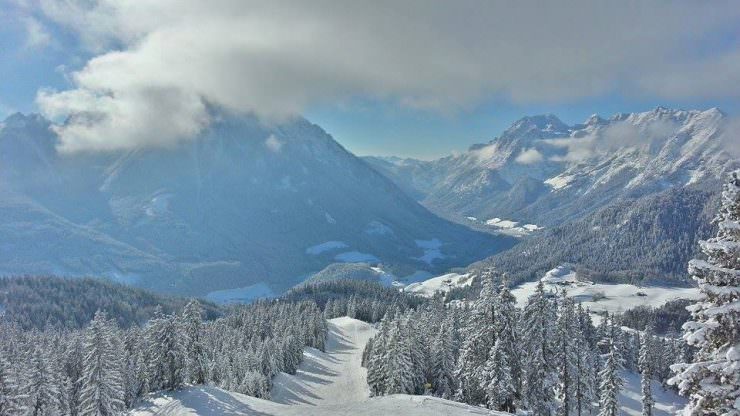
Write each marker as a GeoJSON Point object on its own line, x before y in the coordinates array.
{"type": "Point", "coordinates": [412, 78]}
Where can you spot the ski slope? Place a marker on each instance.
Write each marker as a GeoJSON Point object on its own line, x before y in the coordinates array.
{"type": "Point", "coordinates": [334, 377]}
{"type": "Point", "coordinates": [330, 383]}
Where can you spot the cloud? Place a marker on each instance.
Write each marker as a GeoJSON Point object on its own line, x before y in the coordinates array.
{"type": "Point", "coordinates": [37, 37]}
{"type": "Point", "coordinates": [730, 137]}
{"type": "Point", "coordinates": [529, 156]}
{"type": "Point", "coordinates": [273, 144]}
{"type": "Point", "coordinates": [277, 58]}
{"type": "Point", "coordinates": [618, 134]}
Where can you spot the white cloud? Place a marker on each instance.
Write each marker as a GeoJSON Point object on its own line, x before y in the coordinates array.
{"type": "Point", "coordinates": [529, 156]}
{"type": "Point", "coordinates": [618, 134]}
{"type": "Point", "coordinates": [276, 58]}
{"type": "Point", "coordinates": [37, 37]}
{"type": "Point", "coordinates": [273, 144]}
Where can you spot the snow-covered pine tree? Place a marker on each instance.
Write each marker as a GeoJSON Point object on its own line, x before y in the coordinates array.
{"type": "Point", "coordinates": [400, 373]}
{"type": "Point", "coordinates": [611, 381]}
{"type": "Point", "coordinates": [500, 389]}
{"type": "Point", "coordinates": [565, 355]}
{"type": "Point", "coordinates": [503, 370]}
{"type": "Point", "coordinates": [42, 399]}
{"type": "Point", "coordinates": [443, 361]}
{"type": "Point", "coordinates": [165, 353]}
{"type": "Point", "coordinates": [102, 386]}
{"type": "Point", "coordinates": [537, 333]}
{"type": "Point", "coordinates": [11, 399]}
{"type": "Point", "coordinates": [584, 378]}
{"type": "Point", "coordinates": [73, 367]}
{"type": "Point", "coordinates": [712, 380]}
{"type": "Point", "coordinates": [192, 322]}
{"type": "Point", "coordinates": [480, 336]}
{"type": "Point", "coordinates": [645, 364]}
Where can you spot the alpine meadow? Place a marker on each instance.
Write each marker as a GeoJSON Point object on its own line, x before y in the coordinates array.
{"type": "Point", "coordinates": [369, 208]}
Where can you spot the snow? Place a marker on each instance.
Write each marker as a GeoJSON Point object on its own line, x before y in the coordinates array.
{"type": "Point", "coordinates": [212, 401]}
{"type": "Point", "coordinates": [619, 297]}
{"type": "Point", "coordinates": [560, 181]}
{"type": "Point", "coordinates": [329, 218]}
{"type": "Point", "coordinates": [440, 283]}
{"type": "Point", "coordinates": [327, 246]}
{"type": "Point", "coordinates": [512, 228]}
{"type": "Point", "coordinates": [330, 383]}
{"type": "Point", "coordinates": [498, 222]}
{"type": "Point", "coordinates": [432, 250]}
{"type": "Point", "coordinates": [666, 401]}
{"type": "Point", "coordinates": [560, 275]}
{"type": "Point", "coordinates": [242, 294]}
{"type": "Point", "coordinates": [334, 377]}
{"type": "Point", "coordinates": [377, 228]}
{"type": "Point", "coordinates": [356, 257]}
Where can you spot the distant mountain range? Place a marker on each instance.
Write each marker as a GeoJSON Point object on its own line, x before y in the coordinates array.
{"type": "Point", "coordinates": [624, 197]}
{"type": "Point", "coordinates": [243, 203]}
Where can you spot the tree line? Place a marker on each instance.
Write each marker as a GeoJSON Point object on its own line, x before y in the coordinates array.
{"type": "Point", "coordinates": [104, 369]}
{"type": "Point", "coordinates": [547, 358]}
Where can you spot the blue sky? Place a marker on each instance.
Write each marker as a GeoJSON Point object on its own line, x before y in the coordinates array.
{"type": "Point", "coordinates": [385, 86]}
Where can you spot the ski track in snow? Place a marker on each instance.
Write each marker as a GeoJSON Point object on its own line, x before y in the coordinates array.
{"type": "Point", "coordinates": [333, 377]}
{"type": "Point", "coordinates": [330, 383]}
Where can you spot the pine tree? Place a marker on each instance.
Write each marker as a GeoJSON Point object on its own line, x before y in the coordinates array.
{"type": "Point", "coordinates": [443, 361]}
{"type": "Point", "coordinates": [165, 353]}
{"type": "Point", "coordinates": [611, 382]}
{"type": "Point", "coordinates": [480, 337]}
{"type": "Point", "coordinates": [566, 357]}
{"type": "Point", "coordinates": [42, 390]}
{"type": "Point", "coordinates": [645, 363]}
{"type": "Point", "coordinates": [502, 389]}
{"type": "Point", "coordinates": [192, 322]}
{"type": "Point", "coordinates": [712, 380]}
{"type": "Point", "coordinates": [102, 386]}
{"type": "Point", "coordinates": [584, 376]}
{"type": "Point", "coordinates": [401, 377]}
{"type": "Point", "coordinates": [11, 400]}
{"type": "Point", "coordinates": [537, 334]}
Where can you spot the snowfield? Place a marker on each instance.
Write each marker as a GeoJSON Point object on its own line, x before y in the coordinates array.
{"type": "Point", "coordinates": [333, 377]}
{"type": "Point", "coordinates": [440, 284]}
{"type": "Point", "coordinates": [619, 297]}
{"type": "Point", "coordinates": [667, 403]}
{"type": "Point", "coordinates": [326, 384]}
{"type": "Point", "coordinates": [324, 247]}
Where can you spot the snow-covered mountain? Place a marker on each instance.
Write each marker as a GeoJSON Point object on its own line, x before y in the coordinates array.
{"type": "Point", "coordinates": [625, 198]}
{"type": "Point", "coordinates": [541, 171]}
{"type": "Point", "coordinates": [244, 203]}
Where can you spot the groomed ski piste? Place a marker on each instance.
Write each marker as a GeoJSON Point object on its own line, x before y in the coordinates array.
{"type": "Point", "coordinates": [333, 383]}
{"type": "Point", "coordinates": [330, 383]}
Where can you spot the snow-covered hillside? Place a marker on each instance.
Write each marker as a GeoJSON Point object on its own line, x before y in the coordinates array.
{"type": "Point", "coordinates": [330, 383]}
{"type": "Point", "coordinates": [603, 297]}
{"type": "Point", "coordinates": [542, 171]}
{"type": "Point", "coordinates": [226, 211]}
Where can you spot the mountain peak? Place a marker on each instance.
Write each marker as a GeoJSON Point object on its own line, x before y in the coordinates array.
{"type": "Point", "coordinates": [537, 126]}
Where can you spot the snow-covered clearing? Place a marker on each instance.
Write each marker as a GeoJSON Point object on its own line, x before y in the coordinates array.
{"type": "Point", "coordinates": [242, 294]}
{"type": "Point", "coordinates": [666, 402]}
{"type": "Point", "coordinates": [440, 284]}
{"type": "Point", "coordinates": [512, 228]}
{"type": "Point", "coordinates": [327, 246]}
{"type": "Point", "coordinates": [326, 384]}
{"type": "Point", "coordinates": [600, 297]}
{"type": "Point", "coordinates": [560, 181]}
{"type": "Point", "coordinates": [432, 250]}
